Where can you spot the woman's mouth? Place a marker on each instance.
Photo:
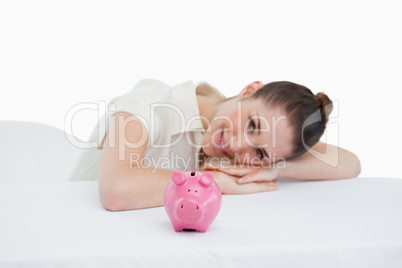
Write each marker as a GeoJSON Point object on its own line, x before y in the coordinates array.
{"type": "Point", "coordinates": [220, 144]}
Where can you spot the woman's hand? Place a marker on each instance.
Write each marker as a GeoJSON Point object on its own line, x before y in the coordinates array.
{"type": "Point", "coordinates": [247, 174]}
{"type": "Point", "coordinates": [235, 180]}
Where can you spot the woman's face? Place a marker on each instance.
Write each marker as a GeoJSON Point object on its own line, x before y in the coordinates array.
{"type": "Point", "coordinates": [248, 131]}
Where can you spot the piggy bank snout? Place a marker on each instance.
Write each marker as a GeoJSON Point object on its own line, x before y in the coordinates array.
{"type": "Point", "coordinates": [189, 211]}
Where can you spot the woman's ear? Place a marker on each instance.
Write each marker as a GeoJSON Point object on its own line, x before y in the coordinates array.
{"type": "Point", "coordinates": [250, 89]}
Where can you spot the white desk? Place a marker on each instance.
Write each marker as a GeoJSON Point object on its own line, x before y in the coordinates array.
{"type": "Point", "coordinates": [345, 223]}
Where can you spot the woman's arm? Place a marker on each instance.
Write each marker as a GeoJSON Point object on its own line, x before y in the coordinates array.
{"type": "Point", "coordinates": [123, 184]}
{"type": "Point", "coordinates": [322, 162]}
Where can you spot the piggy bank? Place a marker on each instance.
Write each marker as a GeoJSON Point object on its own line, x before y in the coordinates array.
{"type": "Point", "coordinates": [192, 200]}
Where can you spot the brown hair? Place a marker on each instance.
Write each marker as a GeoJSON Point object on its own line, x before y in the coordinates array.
{"type": "Point", "coordinates": [306, 112]}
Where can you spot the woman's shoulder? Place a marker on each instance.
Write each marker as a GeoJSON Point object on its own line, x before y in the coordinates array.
{"type": "Point", "coordinates": [204, 89]}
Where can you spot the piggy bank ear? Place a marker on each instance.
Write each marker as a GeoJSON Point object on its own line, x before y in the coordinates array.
{"type": "Point", "coordinates": [206, 179]}
{"type": "Point", "coordinates": [178, 177]}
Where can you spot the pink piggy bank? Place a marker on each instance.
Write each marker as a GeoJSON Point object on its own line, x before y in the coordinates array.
{"type": "Point", "coordinates": [192, 200]}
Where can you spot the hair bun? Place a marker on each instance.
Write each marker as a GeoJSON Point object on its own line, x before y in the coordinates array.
{"type": "Point", "coordinates": [326, 105]}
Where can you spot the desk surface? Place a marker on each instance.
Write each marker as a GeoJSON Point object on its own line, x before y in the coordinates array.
{"type": "Point", "coordinates": [344, 223]}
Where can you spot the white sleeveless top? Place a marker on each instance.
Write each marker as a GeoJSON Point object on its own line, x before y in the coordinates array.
{"type": "Point", "coordinates": [173, 122]}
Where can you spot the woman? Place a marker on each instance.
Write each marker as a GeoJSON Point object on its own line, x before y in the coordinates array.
{"type": "Point", "coordinates": [248, 140]}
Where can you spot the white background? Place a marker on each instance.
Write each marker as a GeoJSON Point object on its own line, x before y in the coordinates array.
{"type": "Point", "coordinates": [56, 54]}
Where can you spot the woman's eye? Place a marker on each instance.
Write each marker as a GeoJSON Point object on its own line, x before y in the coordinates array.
{"type": "Point", "coordinates": [251, 125]}
{"type": "Point", "coordinates": [260, 155]}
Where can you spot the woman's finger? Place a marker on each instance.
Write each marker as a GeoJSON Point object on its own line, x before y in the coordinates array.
{"type": "Point", "coordinates": [239, 172]}
{"type": "Point", "coordinates": [264, 186]}
{"type": "Point", "coordinates": [228, 169]}
{"type": "Point", "coordinates": [262, 175]}
{"type": "Point", "coordinates": [273, 185]}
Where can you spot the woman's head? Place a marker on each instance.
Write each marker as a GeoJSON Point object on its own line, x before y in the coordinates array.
{"type": "Point", "coordinates": [307, 113]}
{"type": "Point", "coordinates": [270, 122]}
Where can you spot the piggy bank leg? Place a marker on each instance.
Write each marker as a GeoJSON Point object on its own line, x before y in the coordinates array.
{"type": "Point", "coordinates": [177, 227]}
{"type": "Point", "coordinates": [203, 228]}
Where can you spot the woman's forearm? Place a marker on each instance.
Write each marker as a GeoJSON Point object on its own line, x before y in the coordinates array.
{"type": "Point", "coordinates": [123, 184]}
{"type": "Point", "coordinates": [134, 189]}
{"type": "Point", "coordinates": [323, 162]}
